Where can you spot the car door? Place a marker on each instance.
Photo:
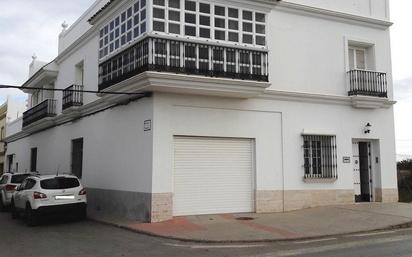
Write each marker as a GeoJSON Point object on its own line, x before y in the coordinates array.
{"type": "Point", "coordinates": [27, 193]}
{"type": "Point", "coordinates": [18, 196]}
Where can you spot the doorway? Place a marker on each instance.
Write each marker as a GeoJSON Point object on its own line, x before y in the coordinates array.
{"type": "Point", "coordinates": [362, 171]}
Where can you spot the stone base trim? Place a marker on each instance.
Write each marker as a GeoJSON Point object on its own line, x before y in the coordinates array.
{"type": "Point", "coordinates": [162, 207]}
{"type": "Point", "coordinates": [386, 195]}
{"type": "Point", "coordinates": [116, 203]}
{"type": "Point", "coordinates": [301, 199]}
{"type": "Point", "coordinates": [268, 201]}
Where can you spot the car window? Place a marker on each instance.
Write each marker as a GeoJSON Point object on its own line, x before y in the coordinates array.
{"type": "Point", "coordinates": [29, 184]}
{"type": "Point", "coordinates": [23, 184]}
{"type": "Point", "coordinates": [4, 179]}
{"type": "Point", "coordinates": [17, 179]}
{"type": "Point", "coordinates": [59, 183]}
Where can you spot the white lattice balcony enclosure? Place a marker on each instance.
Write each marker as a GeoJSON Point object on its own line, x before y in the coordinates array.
{"type": "Point", "coordinates": [196, 38]}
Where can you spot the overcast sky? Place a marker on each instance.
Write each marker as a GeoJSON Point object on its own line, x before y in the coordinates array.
{"type": "Point", "coordinates": [32, 26]}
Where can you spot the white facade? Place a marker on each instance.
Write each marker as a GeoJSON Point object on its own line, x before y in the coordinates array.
{"type": "Point", "coordinates": [134, 162]}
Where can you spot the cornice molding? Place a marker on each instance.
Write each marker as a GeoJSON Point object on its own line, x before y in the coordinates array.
{"type": "Point", "coordinates": [362, 102]}
{"type": "Point", "coordinates": [332, 15]}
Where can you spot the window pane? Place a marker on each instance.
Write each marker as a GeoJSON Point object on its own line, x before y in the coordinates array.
{"type": "Point", "coordinates": [136, 32]}
{"type": "Point", "coordinates": [159, 2]}
{"type": "Point", "coordinates": [233, 25]}
{"type": "Point", "coordinates": [247, 15]}
{"type": "Point", "coordinates": [219, 10]}
{"type": "Point", "coordinates": [247, 39]}
{"type": "Point", "coordinates": [159, 26]}
{"type": "Point", "coordinates": [190, 31]}
{"type": "Point", "coordinates": [260, 17]}
{"type": "Point", "coordinates": [260, 40]}
{"type": "Point", "coordinates": [205, 33]}
{"type": "Point", "coordinates": [233, 36]}
{"type": "Point", "coordinates": [190, 6]}
{"type": "Point", "coordinates": [190, 18]}
{"type": "Point", "coordinates": [247, 27]}
{"type": "Point", "coordinates": [143, 27]}
{"type": "Point", "coordinates": [260, 29]}
{"type": "Point", "coordinates": [360, 59]}
{"type": "Point", "coordinates": [219, 23]}
{"type": "Point", "coordinates": [174, 16]}
{"type": "Point", "coordinates": [142, 3]}
{"type": "Point", "coordinates": [220, 35]}
{"type": "Point", "coordinates": [351, 59]}
{"type": "Point", "coordinates": [174, 28]}
{"type": "Point", "coordinates": [174, 3]}
{"type": "Point", "coordinates": [158, 13]}
{"type": "Point", "coordinates": [205, 20]}
{"type": "Point", "coordinates": [204, 8]}
{"type": "Point", "coordinates": [234, 13]}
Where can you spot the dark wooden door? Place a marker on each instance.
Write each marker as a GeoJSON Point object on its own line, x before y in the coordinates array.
{"type": "Point", "coordinates": [365, 166]}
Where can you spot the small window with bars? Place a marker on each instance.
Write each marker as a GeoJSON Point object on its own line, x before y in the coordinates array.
{"type": "Point", "coordinates": [320, 158]}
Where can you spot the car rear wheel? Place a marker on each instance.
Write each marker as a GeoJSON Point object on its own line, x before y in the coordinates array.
{"type": "Point", "coordinates": [14, 213]}
{"type": "Point", "coordinates": [31, 216]}
{"type": "Point", "coordinates": [2, 206]}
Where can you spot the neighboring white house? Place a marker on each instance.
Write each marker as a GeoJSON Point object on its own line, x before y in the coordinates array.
{"type": "Point", "coordinates": [10, 111]}
{"type": "Point", "coordinates": [240, 106]}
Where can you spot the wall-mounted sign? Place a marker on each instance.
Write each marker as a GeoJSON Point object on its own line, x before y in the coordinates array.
{"type": "Point", "coordinates": [147, 125]}
{"type": "Point", "coordinates": [346, 159]}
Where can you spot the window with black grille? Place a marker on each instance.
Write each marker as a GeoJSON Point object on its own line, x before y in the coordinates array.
{"type": "Point", "coordinates": [320, 159]}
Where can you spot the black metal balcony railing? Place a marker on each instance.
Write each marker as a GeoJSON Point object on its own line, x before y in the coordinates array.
{"type": "Point", "coordinates": [47, 108]}
{"type": "Point", "coordinates": [72, 96]}
{"type": "Point", "coordinates": [368, 83]}
{"type": "Point", "coordinates": [165, 55]}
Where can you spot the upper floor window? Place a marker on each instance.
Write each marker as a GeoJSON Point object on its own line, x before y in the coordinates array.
{"type": "Point", "coordinates": [357, 58]}
{"type": "Point", "coordinates": [124, 28]}
{"type": "Point", "coordinates": [210, 21]}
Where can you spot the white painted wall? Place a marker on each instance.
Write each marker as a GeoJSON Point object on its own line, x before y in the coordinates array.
{"type": "Point", "coordinates": [14, 126]}
{"type": "Point", "coordinates": [309, 54]}
{"type": "Point", "coordinates": [277, 127]}
{"type": "Point", "coordinates": [88, 53]}
{"type": "Point", "coordinates": [117, 152]}
{"type": "Point", "coordinates": [378, 9]}
{"type": "Point", "coordinates": [79, 27]}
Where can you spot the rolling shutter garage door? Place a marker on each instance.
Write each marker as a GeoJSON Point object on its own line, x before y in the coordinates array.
{"type": "Point", "coordinates": [213, 175]}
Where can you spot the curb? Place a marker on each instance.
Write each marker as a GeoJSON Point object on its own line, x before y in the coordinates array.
{"type": "Point", "coordinates": [207, 241]}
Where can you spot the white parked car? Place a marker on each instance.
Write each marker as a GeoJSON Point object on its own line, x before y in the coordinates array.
{"type": "Point", "coordinates": [44, 194]}
{"type": "Point", "coordinates": [8, 184]}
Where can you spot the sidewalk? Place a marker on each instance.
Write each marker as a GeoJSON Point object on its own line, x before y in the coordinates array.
{"type": "Point", "coordinates": [302, 224]}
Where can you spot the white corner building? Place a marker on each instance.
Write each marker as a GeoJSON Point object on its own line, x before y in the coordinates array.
{"type": "Point", "coordinates": [228, 106]}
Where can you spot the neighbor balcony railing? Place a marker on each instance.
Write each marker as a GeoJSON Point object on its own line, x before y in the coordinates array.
{"type": "Point", "coordinates": [47, 108]}
{"type": "Point", "coordinates": [368, 83]}
{"type": "Point", "coordinates": [166, 55]}
{"type": "Point", "coordinates": [72, 96]}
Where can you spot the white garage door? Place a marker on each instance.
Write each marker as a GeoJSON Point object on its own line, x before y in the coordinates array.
{"type": "Point", "coordinates": [213, 175]}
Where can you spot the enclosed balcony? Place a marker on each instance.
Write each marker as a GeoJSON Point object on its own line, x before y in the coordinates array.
{"type": "Point", "coordinates": [180, 57]}
{"type": "Point", "coordinates": [368, 83]}
{"type": "Point", "coordinates": [72, 97]}
{"type": "Point", "coordinates": [43, 110]}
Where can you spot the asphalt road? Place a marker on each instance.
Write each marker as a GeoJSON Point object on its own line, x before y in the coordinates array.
{"type": "Point", "coordinates": [90, 239]}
